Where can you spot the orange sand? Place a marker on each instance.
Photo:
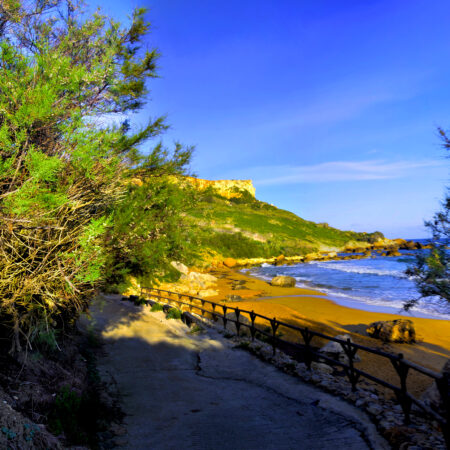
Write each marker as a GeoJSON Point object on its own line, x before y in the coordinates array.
{"type": "Point", "coordinates": [321, 314]}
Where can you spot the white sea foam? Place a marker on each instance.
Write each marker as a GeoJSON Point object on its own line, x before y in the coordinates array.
{"type": "Point", "coordinates": [432, 307]}
{"type": "Point", "coordinates": [375, 284]}
{"type": "Point", "coordinates": [361, 269]}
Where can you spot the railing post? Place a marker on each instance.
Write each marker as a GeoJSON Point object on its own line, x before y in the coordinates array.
{"type": "Point", "coordinates": [275, 326]}
{"type": "Point", "coordinates": [253, 329]}
{"type": "Point", "coordinates": [214, 316]}
{"type": "Point", "coordinates": [402, 394]}
{"type": "Point", "coordinates": [350, 351]}
{"type": "Point", "coordinates": [237, 312]}
{"type": "Point", "coordinates": [224, 316]}
{"type": "Point", "coordinates": [443, 385]}
{"type": "Point", "coordinates": [307, 336]}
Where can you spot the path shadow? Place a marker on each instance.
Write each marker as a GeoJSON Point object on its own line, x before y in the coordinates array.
{"type": "Point", "coordinates": [173, 399]}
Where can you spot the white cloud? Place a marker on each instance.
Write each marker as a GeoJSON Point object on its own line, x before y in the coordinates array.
{"type": "Point", "coordinates": [338, 171]}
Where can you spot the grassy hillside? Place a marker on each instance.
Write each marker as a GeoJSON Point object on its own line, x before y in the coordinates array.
{"type": "Point", "coordinates": [245, 227]}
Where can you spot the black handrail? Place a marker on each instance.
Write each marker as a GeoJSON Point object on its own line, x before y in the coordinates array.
{"type": "Point", "coordinates": [308, 352]}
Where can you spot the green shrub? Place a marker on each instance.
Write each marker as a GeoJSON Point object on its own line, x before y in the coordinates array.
{"type": "Point", "coordinates": [173, 313]}
{"type": "Point", "coordinates": [65, 416]}
{"type": "Point", "coordinates": [156, 307]}
{"type": "Point", "coordinates": [195, 329]}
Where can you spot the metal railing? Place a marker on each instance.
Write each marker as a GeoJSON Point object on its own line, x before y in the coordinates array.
{"type": "Point", "coordinates": [308, 353]}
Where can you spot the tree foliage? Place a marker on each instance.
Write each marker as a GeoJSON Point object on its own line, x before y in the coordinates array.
{"type": "Point", "coordinates": [432, 270]}
{"type": "Point", "coordinates": [64, 163]}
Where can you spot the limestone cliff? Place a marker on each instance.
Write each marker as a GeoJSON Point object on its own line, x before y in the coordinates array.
{"type": "Point", "coordinates": [226, 188]}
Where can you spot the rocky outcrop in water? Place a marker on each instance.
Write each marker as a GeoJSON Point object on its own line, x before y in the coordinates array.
{"type": "Point", "coordinates": [283, 281]}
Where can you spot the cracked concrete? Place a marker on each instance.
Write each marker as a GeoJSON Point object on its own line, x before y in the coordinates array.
{"type": "Point", "coordinates": [185, 391]}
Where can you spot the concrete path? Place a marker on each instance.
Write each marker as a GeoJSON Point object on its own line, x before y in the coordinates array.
{"type": "Point", "coordinates": [186, 391]}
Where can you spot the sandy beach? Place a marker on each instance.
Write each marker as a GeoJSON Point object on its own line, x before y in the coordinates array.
{"type": "Point", "coordinates": [305, 307]}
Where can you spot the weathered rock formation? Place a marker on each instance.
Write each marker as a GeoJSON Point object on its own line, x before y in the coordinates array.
{"type": "Point", "coordinates": [336, 351]}
{"type": "Point", "coordinates": [283, 281]}
{"type": "Point", "coordinates": [191, 282]}
{"type": "Point", "coordinates": [226, 188]}
{"type": "Point", "coordinates": [399, 330]}
{"type": "Point", "coordinates": [229, 262]}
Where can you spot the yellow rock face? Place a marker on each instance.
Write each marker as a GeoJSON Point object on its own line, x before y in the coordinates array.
{"type": "Point", "coordinates": [226, 188]}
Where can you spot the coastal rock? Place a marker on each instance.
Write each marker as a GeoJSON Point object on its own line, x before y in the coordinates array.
{"type": "Point", "coordinates": [393, 252]}
{"type": "Point", "coordinates": [283, 281]}
{"type": "Point", "coordinates": [431, 396]}
{"type": "Point", "coordinates": [320, 367]}
{"type": "Point", "coordinates": [229, 262]}
{"type": "Point", "coordinates": [279, 259]}
{"type": "Point", "coordinates": [312, 257]}
{"type": "Point", "coordinates": [411, 245]}
{"type": "Point", "coordinates": [180, 267]}
{"type": "Point", "coordinates": [336, 351]}
{"type": "Point", "coordinates": [401, 243]}
{"type": "Point", "coordinates": [202, 278]}
{"type": "Point", "coordinates": [399, 330]}
{"type": "Point", "coordinates": [233, 298]}
{"type": "Point", "coordinates": [193, 283]}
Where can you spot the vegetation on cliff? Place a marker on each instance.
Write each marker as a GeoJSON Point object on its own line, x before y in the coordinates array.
{"type": "Point", "coordinates": [245, 227]}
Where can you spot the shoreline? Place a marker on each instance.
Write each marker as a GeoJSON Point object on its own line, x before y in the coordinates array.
{"type": "Point", "coordinates": [354, 303]}
{"type": "Point", "coordinates": [313, 309]}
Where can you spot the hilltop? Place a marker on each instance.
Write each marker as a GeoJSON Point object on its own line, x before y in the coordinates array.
{"type": "Point", "coordinates": [232, 222]}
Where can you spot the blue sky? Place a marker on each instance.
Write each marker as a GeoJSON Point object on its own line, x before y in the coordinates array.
{"type": "Point", "coordinates": [331, 108]}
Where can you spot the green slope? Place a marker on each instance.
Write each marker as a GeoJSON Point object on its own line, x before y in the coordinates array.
{"type": "Point", "coordinates": [246, 228]}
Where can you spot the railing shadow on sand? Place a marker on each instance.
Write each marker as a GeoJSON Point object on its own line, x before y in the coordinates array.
{"type": "Point", "coordinates": [306, 352]}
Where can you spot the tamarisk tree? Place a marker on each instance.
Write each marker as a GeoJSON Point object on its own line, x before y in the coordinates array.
{"type": "Point", "coordinates": [64, 163]}
{"type": "Point", "coordinates": [432, 271]}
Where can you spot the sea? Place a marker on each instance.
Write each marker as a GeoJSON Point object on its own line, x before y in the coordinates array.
{"type": "Point", "coordinates": [375, 284]}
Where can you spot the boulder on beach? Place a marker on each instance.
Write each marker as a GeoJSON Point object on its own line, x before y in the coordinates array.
{"type": "Point", "coordinates": [229, 262]}
{"type": "Point", "coordinates": [283, 281]}
{"type": "Point", "coordinates": [399, 330]}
